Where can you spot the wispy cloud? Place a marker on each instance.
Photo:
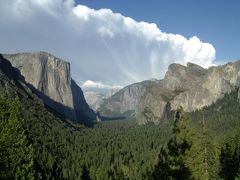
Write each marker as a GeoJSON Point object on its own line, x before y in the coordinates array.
{"type": "Point", "coordinates": [98, 85]}
{"type": "Point", "coordinates": [101, 45]}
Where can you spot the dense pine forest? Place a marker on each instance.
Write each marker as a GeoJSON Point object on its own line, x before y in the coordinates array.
{"type": "Point", "coordinates": [34, 144]}
{"type": "Point", "coordinates": [119, 90]}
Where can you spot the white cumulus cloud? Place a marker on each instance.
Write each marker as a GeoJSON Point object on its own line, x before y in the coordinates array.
{"type": "Point", "coordinates": [102, 46]}
{"type": "Point", "coordinates": [98, 85]}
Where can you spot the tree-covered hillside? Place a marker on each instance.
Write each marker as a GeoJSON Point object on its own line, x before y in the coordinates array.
{"type": "Point", "coordinates": [122, 149]}
{"type": "Point", "coordinates": [110, 150]}
{"type": "Point", "coordinates": [16, 152]}
{"type": "Point", "coordinates": [36, 144]}
{"type": "Point", "coordinates": [221, 117]}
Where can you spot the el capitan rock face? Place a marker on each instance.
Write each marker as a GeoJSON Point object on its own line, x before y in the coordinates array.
{"type": "Point", "coordinates": [50, 77]}
{"type": "Point", "coordinates": [191, 87]}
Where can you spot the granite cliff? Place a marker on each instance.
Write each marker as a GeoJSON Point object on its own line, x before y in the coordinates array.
{"type": "Point", "coordinates": [50, 78]}
{"type": "Point", "coordinates": [191, 87]}
{"type": "Point", "coordinates": [95, 97]}
{"type": "Point", "coordinates": [125, 101]}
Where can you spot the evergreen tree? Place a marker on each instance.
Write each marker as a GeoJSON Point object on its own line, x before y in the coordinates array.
{"type": "Point", "coordinates": [162, 169]}
{"type": "Point", "coordinates": [203, 157]}
{"type": "Point", "coordinates": [85, 173]}
{"type": "Point", "coordinates": [16, 153]}
{"type": "Point", "coordinates": [172, 161]}
{"type": "Point", "coordinates": [230, 159]}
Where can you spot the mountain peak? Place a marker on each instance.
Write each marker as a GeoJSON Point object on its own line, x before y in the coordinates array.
{"type": "Point", "coordinates": [39, 55]}
{"type": "Point", "coordinates": [50, 79]}
{"type": "Point", "coordinates": [176, 66]}
{"type": "Point", "coordinates": [194, 66]}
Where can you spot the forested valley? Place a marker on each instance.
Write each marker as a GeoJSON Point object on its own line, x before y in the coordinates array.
{"type": "Point", "coordinates": [119, 90]}
{"type": "Point", "coordinates": [35, 144]}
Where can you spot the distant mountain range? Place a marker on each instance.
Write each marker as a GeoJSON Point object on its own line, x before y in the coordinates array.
{"type": "Point", "coordinates": [191, 87]}
{"type": "Point", "coordinates": [95, 98]}
{"type": "Point", "coordinates": [62, 148]}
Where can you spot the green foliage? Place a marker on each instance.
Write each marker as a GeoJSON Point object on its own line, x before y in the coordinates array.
{"type": "Point", "coordinates": [16, 153]}
{"type": "Point", "coordinates": [203, 157]}
{"type": "Point", "coordinates": [222, 121]}
{"type": "Point", "coordinates": [148, 114]}
{"type": "Point", "coordinates": [172, 161]}
{"type": "Point", "coordinates": [197, 149]}
{"type": "Point", "coordinates": [120, 149]}
{"type": "Point", "coordinates": [230, 158]}
{"type": "Point", "coordinates": [85, 173]}
{"type": "Point", "coordinates": [111, 150]}
{"type": "Point", "coordinates": [222, 117]}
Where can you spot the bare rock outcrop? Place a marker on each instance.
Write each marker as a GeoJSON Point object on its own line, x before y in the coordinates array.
{"type": "Point", "coordinates": [191, 87]}
{"type": "Point", "coordinates": [124, 102]}
{"type": "Point", "coordinates": [50, 78]}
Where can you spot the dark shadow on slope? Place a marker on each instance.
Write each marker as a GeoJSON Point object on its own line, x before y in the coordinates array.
{"type": "Point", "coordinates": [82, 109]}
{"type": "Point", "coordinates": [9, 71]}
{"type": "Point", "coordinates": [54, 107]}
{"type": "Point", "coordinates": [104, 118]}
{"type": "Point", "coordinates": [109, 118]}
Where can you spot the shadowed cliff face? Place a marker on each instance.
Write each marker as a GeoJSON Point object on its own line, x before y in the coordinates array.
{"type": "Point", "coordinates": [82, 110]}
{"type": "Point", "coordinates": [50, 78]}
{"type": "Point", "coordinates": [11, 80]}
{"type": "Point", "coordinates": [191, 87]}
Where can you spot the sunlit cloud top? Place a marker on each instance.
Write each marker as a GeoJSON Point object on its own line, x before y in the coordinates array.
{"type": "Point", "coordinates": [101, 45]}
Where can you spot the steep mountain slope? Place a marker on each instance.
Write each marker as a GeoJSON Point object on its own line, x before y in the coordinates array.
{"type": "Point", "coordinates": [125, 101]}
{"type": "Point", "coordinates": [95, 97]}
{"type": "Point", "coordinates": [45, 131]}
{"type": "Point", "coordinates": [191, 87]}
{"type": "Point", "coordinates": [50, 78]}
{"type": "Point", "coordinates": [111, 150]}
{"type": "Point", "coordinates": [222, 117]}
{"type": "Point", "coordinates": [81, 108]}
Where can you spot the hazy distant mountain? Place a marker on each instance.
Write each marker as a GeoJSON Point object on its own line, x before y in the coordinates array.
{"type": "Point", "coordinates": [95, 98]}
{"type": "Point", "coordinates": [191, 87]}
{"type": "Point", "coordinates": [50, 78]}
{"type": "Point", "coordinates": [125, 101]}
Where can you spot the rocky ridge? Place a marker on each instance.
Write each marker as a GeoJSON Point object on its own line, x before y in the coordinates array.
{"type": "Point", "coordinates": [50, 78]}
{"type": "Point", "coordinates": [125, 101]}
{"type": "Point", "coordinates": [96, 97]}
{"type": "Point", "coordinates": [191, 87]}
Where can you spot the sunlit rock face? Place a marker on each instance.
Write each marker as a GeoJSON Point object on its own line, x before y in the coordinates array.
{"type": "Point", "coordinates": [50, 78]}
{"type": "Point", "coordinates": [191, 87]}
{"type": "Point", "coordinates": [94, 99]}
{"type": "Point", "coordinates": [124, 102]}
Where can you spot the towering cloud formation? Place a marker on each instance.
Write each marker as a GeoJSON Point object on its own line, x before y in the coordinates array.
{"type": "Point", "coordinates": [100, 44]}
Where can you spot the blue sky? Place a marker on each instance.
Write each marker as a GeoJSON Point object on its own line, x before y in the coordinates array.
{"type": "Point", "coordinates": [128, 41]}
{"type": "Point", "coordinates": [213, 21]}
